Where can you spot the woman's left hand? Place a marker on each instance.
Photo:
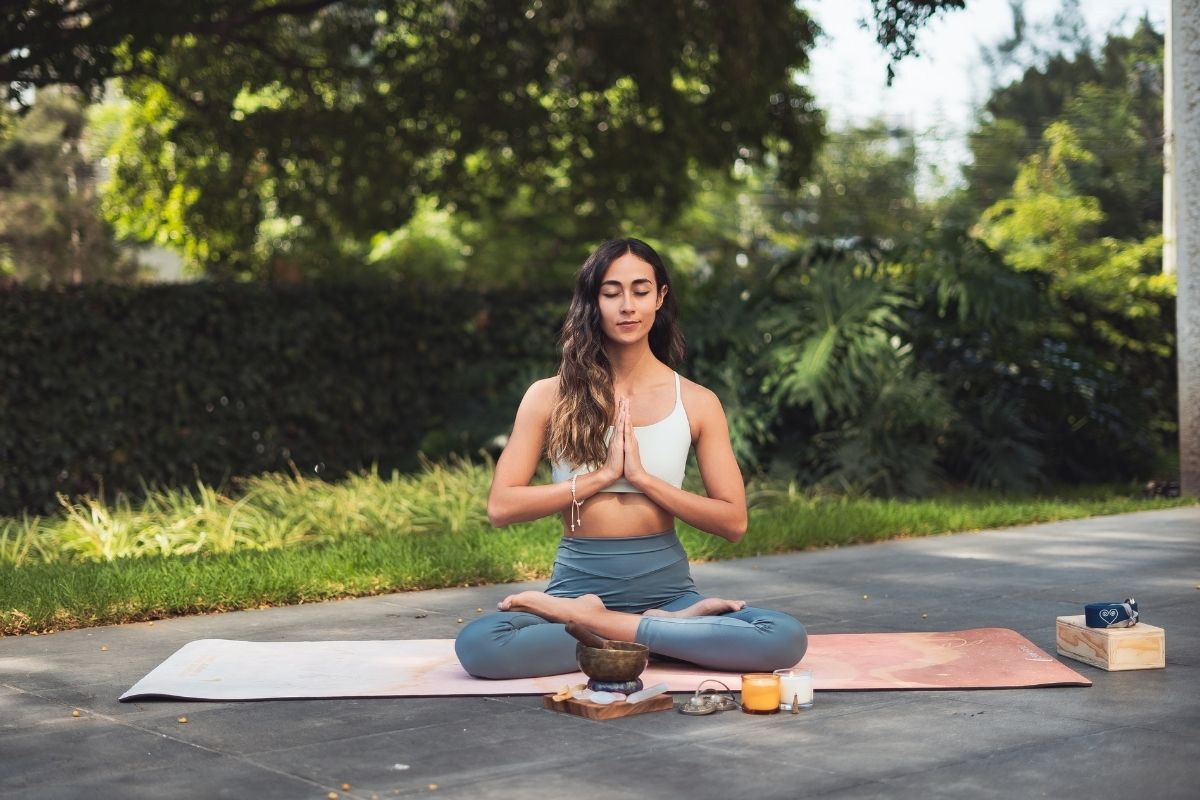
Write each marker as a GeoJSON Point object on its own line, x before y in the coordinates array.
{"type": "Point", "coordinates": [634, 471]}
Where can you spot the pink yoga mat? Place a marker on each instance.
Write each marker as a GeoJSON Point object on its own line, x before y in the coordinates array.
{"type": "Point", "coordinates": [222, 669]}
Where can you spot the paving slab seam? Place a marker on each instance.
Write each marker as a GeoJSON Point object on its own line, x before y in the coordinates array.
{"type": "Point", "coordinates": [843, 790]}
{"type": "Point", "coordinates": [460, 781]}
{"type": "Point", "coordinates": [212, 751]}
{"type": "Point", "coordinates": [204, 748]}
{"type": "Point", "coordinates": [120, 722]}
{"type": "Point", "coordinates": [225, 754]}
{"type": "Point", "coordinates": [50, 699]}
{"type": "Point", "coordinates": [279, 750]}
{"type": "Point", "coordinates": [252, 758]}
{"type": "Point", "coordinates": [320, 787]}
{"type": "Point", "coordinates": [463, 779]}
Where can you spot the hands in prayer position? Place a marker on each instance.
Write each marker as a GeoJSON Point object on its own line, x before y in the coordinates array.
{"type": "Point", "coordinates": [624, 459]}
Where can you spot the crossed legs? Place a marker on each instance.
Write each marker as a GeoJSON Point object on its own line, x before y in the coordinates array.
{"type": "Point", "coordinates": [589, 611]}
{"type": "Point", "coordinates": [527, 637]}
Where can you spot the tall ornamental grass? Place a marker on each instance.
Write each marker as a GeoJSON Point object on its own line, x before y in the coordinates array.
{"type": "Point", "coordinates": [286, 511]}
{"type": "Point", "coordinates": [267, 512]}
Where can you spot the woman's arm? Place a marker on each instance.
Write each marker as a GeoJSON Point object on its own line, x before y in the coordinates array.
{"type": "Point", "coordinates": [511, 498]}
{"type": "Point", "coordinates": [723, 511]}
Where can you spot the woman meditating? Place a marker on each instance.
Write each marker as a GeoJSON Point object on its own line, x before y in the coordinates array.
{"type": "Point", "coordinates": [617, 423]}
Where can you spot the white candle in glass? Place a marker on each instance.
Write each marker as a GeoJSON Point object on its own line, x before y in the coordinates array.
{"type": "Point", "coordinates": [795, 684]}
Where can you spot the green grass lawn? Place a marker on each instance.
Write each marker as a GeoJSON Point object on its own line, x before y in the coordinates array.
{"type": "Point", "coordinates": [289, 540]}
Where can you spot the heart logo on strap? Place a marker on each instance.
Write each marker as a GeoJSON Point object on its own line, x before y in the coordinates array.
{"type": "Point", "coordinates": [1109, 615]}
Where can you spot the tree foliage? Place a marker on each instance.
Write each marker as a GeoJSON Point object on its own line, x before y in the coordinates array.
{"type": "Point", "coordinates": [1013, 333]}
{"type": "Point", "coordinates": [50, 42]}
{"type": "Point", "coordinates": [811, 355]}
{"type": "Point", "coordinates": [1081, 369]}
{"type": "Point", "coordinates": [1112, 100]}
{"type": "Point", "coordinates": [897, 23]}
{"type": "Point", "coordinates": [292, 136]}
{"type": "Point", "coordinates": [51, 230]}
{"type": "Point", "coordinates": [1006, 345]}
{"type": "Point", "coordinates": [863, 185]}
{"type": "Point", "coordinates": [303, 134]}
{"type": "Point", "coordinates": [53, 42]}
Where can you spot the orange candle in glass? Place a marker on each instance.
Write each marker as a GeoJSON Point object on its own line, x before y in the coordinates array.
{"type": "Point", "coordinates": [760, 693]}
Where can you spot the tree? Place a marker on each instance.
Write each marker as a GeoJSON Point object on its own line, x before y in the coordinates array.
{"type": "Point", "coordinates": [1111, 287]}
{"type": "Point", "coordinates": [1065, 368]}
{"type": "Point", "coordinates": [49, 42]}
{"type": "Point", "coordinates": [863, 185]}
{"type": "Point", "coordinates": [329, 127]}
{"type": "Point", "coordinates": [1113, 102]}
{"type": "Point", "coordinates": [50, 226]}
{"type": "Point", "coordinates": [291, 130]}
{"type": "Point", "coordinates": [54, 42]}
{"type": "Point", "coordinates": [897, 23]}
{"type": "Point", "coordinates": [1041, 307]}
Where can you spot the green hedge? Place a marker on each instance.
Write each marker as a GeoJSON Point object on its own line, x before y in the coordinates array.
{"type": "Point", "coordinates": [107, 388]}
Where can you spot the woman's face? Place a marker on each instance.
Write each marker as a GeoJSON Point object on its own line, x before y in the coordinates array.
{"type": "Point", "coordinates": [628, 300]}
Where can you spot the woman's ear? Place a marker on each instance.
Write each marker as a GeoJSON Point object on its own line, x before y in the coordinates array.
{"type": "Point", "coordinates": [662, 295]}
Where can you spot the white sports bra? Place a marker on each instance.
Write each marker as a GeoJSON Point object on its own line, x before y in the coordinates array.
{"type": "Point", "coordinates": [663, 447]}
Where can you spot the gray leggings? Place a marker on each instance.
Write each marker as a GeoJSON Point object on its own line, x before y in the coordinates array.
{"type": "Point", "coordinates": [631, 574]}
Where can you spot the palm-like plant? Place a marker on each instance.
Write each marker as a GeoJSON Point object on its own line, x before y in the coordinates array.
{"type": "Point", "coordinates": [811, 357]}
{"type": "Point", "coordinates": [843, 355]}
{"type": "Point", "coordinates": [835, 334]}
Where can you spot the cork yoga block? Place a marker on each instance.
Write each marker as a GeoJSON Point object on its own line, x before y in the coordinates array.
{"type": "Point", "coordinates": [1140, 647]}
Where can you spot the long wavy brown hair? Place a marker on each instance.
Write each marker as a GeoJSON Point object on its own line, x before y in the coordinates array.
{"type": "Point", "coordinates": [586, 403]}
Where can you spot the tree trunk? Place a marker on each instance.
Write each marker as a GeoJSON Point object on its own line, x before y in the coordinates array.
{"type": "Point", "coordinates": [1184, 65]}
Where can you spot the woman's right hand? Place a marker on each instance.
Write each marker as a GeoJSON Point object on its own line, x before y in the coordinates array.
{"type": "Point", "coordinates": [614, 465]}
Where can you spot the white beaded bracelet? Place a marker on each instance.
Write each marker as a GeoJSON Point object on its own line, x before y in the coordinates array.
{"type": "Point", "coordinates": [576, 506]}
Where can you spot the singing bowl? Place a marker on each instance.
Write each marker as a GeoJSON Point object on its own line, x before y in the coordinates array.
{"type": "Point", "coordinates": [617, 661]}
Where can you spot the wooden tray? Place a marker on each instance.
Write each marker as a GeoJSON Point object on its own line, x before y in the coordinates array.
{"type": "Point", "coordinates": [590, 710]}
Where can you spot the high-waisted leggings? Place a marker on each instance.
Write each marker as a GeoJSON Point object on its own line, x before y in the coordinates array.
{"type": "Point", "coordinates": [631, 574]}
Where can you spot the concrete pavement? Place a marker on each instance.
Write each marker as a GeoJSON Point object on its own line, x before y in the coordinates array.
{"type": "Point", "coordinates": [1131, 734]}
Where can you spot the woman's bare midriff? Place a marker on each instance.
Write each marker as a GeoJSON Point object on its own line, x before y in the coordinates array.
{"type": "Point", "coordinates": [612, 514]}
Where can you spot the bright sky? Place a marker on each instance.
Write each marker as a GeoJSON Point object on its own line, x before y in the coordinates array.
{"type": "Point", "coordinates": [936, 94]}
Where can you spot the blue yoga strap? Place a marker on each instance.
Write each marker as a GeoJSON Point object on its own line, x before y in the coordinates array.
{"type": "Point", "coordinates": [1111, 615]}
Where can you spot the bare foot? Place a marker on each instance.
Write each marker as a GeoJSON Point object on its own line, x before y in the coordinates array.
{"type": "Point", "coordinates": [555, 609]}
{"type": "Point", "coordinates": [708, 607]}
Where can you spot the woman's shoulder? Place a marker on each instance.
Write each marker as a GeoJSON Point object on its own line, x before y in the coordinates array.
{"type": "Point", "coordinates": [693, 391]}
{"type": "Point", "coordinates": [544, 386]}
{"type": "Point", "coordinates": [701, 404]}
{"type": "Point", "coordinates": [542, 393]}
